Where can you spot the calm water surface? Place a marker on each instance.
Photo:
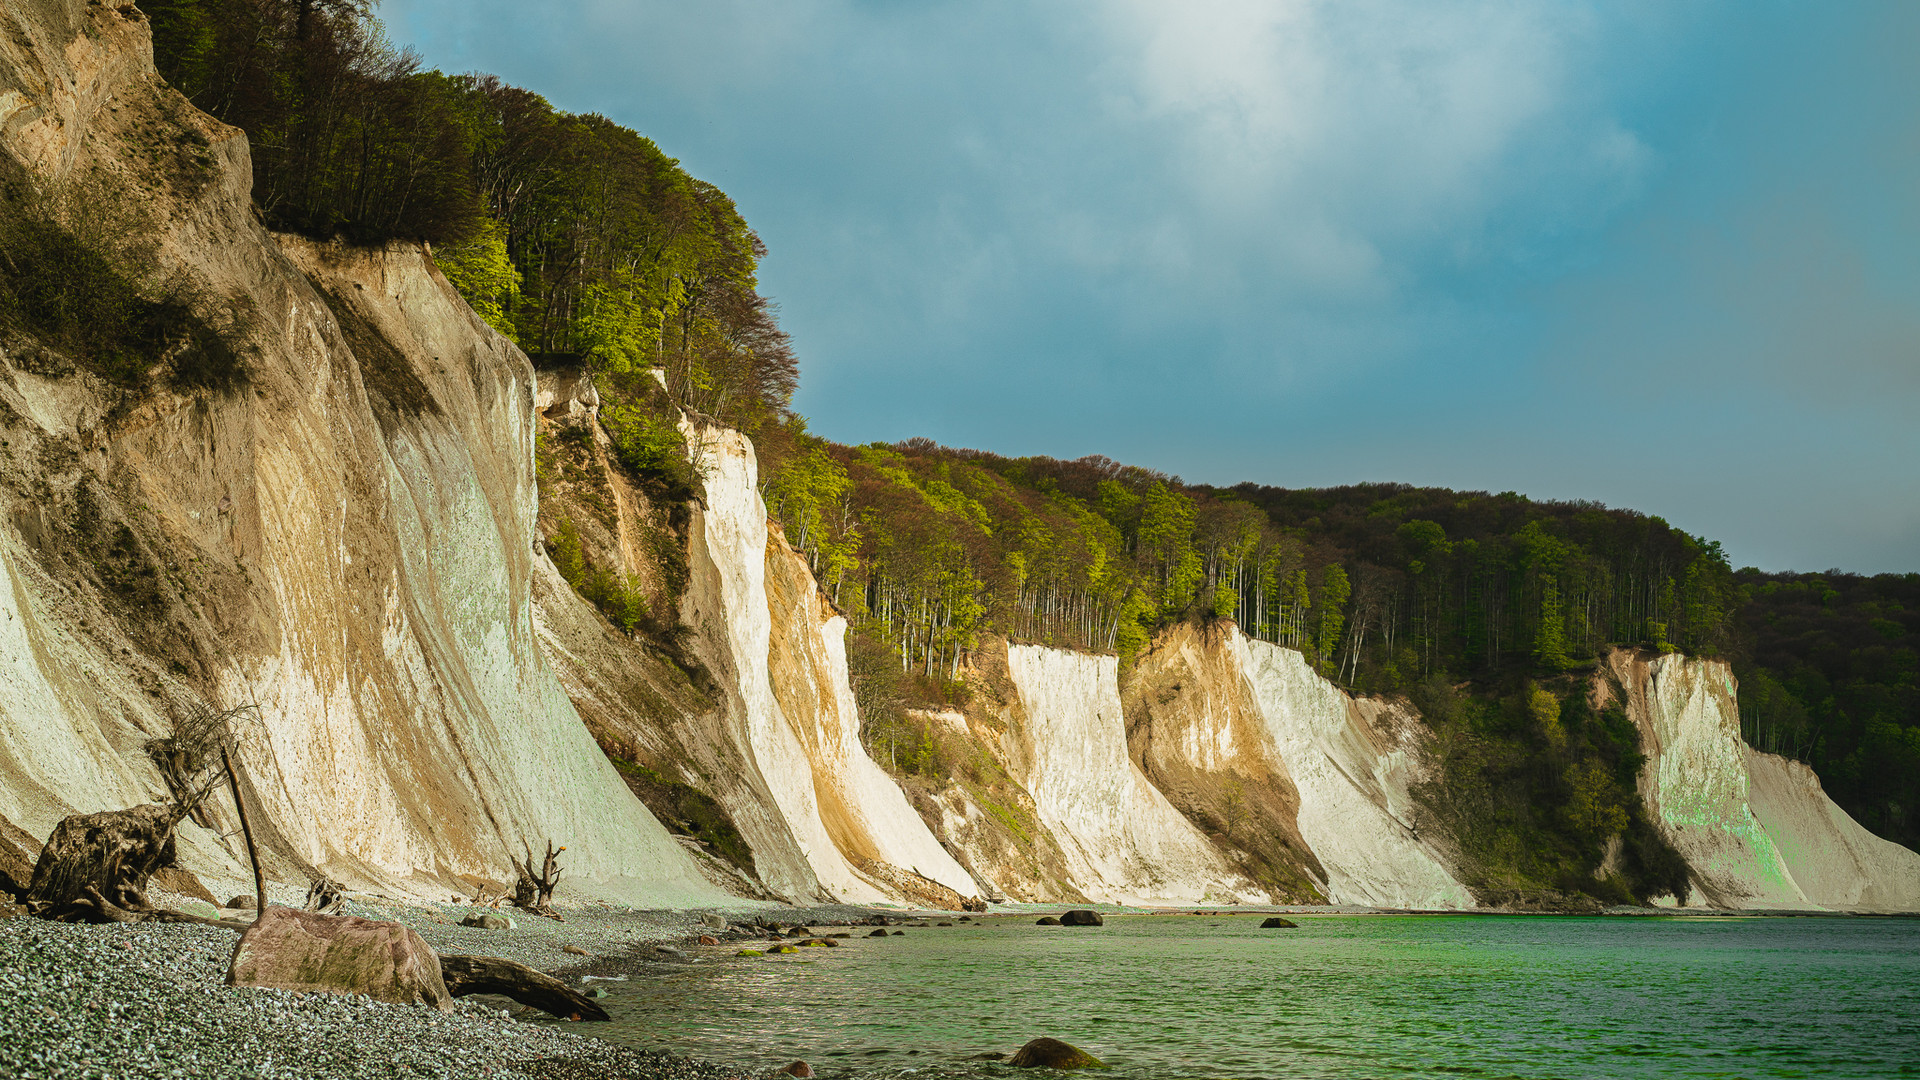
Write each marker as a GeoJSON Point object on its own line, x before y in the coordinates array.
{"type": "Point", "coordinates": [1341, 997]}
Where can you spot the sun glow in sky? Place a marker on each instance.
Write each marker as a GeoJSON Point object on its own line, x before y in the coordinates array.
{"type": "Point", "coordinates": [1664, 256]}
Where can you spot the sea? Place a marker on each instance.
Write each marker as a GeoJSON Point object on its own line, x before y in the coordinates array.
{"type": "Point", "coordinates": [1341, 996]}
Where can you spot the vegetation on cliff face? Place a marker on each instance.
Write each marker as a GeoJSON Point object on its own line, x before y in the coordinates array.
{"type": "Point", "coordinates": [75, 277]}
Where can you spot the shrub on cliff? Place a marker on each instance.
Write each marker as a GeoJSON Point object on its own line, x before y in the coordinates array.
{"type": "Point", "coordinates": [73, 287]}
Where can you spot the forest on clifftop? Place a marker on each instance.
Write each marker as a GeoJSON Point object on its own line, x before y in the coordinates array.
{"type": "Point", "coordinates": [586, 244]}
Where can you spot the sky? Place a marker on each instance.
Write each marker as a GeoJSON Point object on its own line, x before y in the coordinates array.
{"type": "Point", "coordinates": [1663, 255]}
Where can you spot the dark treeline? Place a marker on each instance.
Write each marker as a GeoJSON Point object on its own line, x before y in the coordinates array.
{"type": "Point", "coordinates": [1467, 583]}
{"type": "Point", "coordinates": [1829, 669]}
{"type": "Point", "coordinates": [572, 235]}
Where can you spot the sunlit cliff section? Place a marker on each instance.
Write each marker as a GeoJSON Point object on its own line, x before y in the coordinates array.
{"type": "Point", "coordinates": [323, 506]}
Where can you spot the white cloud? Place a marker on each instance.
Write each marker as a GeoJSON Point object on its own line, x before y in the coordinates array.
{"type": "Point", "coordinates": [1353, 133]}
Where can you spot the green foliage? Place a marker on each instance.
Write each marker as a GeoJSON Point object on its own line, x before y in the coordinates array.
{"type": "Point", "coordinates": [484, 275]}
{"type": "Point", "coordinates": [568, 556]}
{"type": "Point", "coordinates": [1334, 590]}
{"type": "Point", "coordinates": [572, 235]}
{"type": "Point", "coordinates": [1535, 789]}
{"type": "Point", "coordinates": [1545, 709]}
{"type": "Point", "coordinates": [622, 600]}
{"type": "Point", "coordinates": [349, 137]}
{"type": "Point", "coordinates": [77, 290]}
{"type": "Point", "coordinates": [811, 495]}
{"type": "Point", "coordinates": [1831, 677]}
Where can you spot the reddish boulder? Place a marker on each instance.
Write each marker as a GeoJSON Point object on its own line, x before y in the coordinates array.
{"type": "Point", "coordinates": [337, 954]}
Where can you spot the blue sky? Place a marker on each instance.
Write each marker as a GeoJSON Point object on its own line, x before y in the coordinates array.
{"type": "Point", "coordinates": [1663, 255]}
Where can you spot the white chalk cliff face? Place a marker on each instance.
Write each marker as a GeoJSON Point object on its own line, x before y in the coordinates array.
{"type": "Point", "coordinates": [346, 540]}
{"type": "Point", "coordinates": [827, 822]}
{"type": "Point", "coordinates": [1757, 830]}
{"type": "Point", "coordinates": [1123, 841]}
{"type": "Point", "coordinates": [1217, 710]}
{"type": "Point", "coordinates": [1354, 763]}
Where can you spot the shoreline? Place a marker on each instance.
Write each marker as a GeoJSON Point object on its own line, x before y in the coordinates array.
{"type": "Point", "coordinates": [149, 1000]}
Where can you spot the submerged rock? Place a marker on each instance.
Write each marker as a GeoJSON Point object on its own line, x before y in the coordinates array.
{"type": "Point", "coordinates": [878, 933]}
{"type": "Point", "coordinates": [1044, 1053]}
{"type": "Point", "coordinates": [1046, 920]}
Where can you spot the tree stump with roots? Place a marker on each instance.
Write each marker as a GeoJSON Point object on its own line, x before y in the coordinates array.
{"type": "Point", "coordinates": [96, 861]}
{"type": "Point", "coordinates": [533, 892]}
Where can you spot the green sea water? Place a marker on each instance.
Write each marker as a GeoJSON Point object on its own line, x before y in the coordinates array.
{"type": "Point", "coordinates": [1343, 996]}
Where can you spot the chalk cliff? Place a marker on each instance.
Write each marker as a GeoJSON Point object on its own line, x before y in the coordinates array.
{"type": "Point", "coordinates": [345, 538]}
{"type": "Point", "coordinates": [1312, 784]}
{"type": "Point", "coordinates": [1757, 830]}
{"type": "Point", "coordinates": [778, 653]}
{"type": "Point", "coordinates": [350, 536]}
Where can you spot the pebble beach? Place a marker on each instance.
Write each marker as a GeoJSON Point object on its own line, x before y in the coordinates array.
{"type": "Point", "coordinates": [149, 1002]}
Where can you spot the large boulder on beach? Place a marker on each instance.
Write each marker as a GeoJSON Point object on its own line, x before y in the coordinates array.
{"type": "Point", "coordinates": [338, 954]}
{"type": "Point", "coordinates": [1082, 917]}
{"type": "Point", "coordinates": [1044, 1053]}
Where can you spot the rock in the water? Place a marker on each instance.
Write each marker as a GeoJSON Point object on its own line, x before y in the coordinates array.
{"type": "Point", "coordinates": [784, 949]}
{"type": "Point", "coordinates": [1046, 920]}
{"type": "Point", "coordinates": [1046, 1053]}
{"type": "Point", "coordinates": [749, 952]}
{"type": "Point", "coordinates": [878, 933]}
{"type": "Point", "coordinates": [1082, 917]}
{"type": "Point", "coordinates": [718, 922]}
{"type": "Point", "coordinates": [798, 1068]}
{"type": "Point", "coordinates": [243, 903]}
{"type": "Point", "coordinates": [338, 954]}
{"type": "Point", "coordinates": [943, 924]}
{"type": "Point", "coordinates": [1278, 923]}
{"type": "Point", "coordinates": [487, 920]}
{"type": "Point", "coordinates": [899, 933]}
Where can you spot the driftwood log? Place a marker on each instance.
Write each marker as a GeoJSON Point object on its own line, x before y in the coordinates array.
{"type": "Point", "coordinates": [491, 975]}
